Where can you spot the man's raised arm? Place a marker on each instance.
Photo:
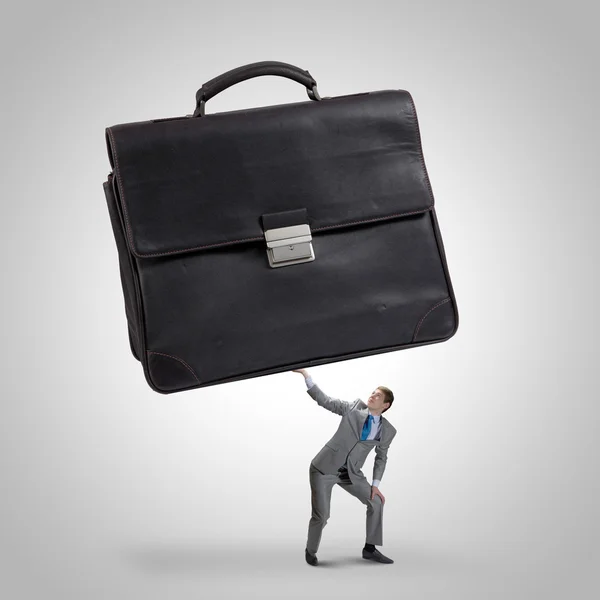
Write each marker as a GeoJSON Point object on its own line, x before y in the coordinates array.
{"type": "Point", "coordinates": [339, 407]}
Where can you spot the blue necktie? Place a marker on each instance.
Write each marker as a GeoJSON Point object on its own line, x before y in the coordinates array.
{"type": "Point", "coordinates": [367, 428]}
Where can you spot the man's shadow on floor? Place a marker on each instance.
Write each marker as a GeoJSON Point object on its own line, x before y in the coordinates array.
{"type": "Point", "coordinates": [178, 558]}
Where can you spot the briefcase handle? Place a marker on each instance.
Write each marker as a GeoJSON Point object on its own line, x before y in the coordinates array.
{"type": "Point", "coordinates": [267, 67]}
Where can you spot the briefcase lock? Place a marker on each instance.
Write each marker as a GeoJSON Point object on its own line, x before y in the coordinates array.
{"type": "Point", "coordinates": [289, 245]}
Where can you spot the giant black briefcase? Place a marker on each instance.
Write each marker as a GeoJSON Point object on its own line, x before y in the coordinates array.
{"type": "Point", "coordinates": [262, 240]}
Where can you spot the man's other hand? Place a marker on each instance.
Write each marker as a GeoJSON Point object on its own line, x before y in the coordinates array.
{"type": "Point", "coordinates": [375, 492]}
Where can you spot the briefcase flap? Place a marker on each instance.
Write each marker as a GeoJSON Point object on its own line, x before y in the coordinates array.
{"type": "Point", "coordinates": [195, 184]}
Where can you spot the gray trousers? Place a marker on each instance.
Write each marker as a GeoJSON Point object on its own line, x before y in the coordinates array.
{"type": "Point", "coordinates": [320, 488]}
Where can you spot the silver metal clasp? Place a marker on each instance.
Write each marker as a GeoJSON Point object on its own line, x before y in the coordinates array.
{"type": "Point", "coordinates": [289, 245]}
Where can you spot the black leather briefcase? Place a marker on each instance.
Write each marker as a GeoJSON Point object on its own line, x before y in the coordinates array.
{"type": "Point", "coordinates": [267, 239]}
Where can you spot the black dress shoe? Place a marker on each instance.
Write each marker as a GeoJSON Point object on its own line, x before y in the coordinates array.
{"type": "Point", "coordinates": [311, 559]}
{"type": "Point", "coordinates": [377, 556]}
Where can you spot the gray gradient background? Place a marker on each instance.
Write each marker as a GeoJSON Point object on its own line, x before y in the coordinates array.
{"type": "Point", "coordinates": [112, 491]}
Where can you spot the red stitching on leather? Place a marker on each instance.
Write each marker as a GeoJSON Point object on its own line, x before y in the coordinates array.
{"type": "Point", "coordinates": [180, 360]}
{"type": "Point", "coordinates": [262, 237]}
{"type": "Point", "coordinates": [423, 317]}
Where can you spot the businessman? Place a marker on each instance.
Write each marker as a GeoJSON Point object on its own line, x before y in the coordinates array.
{"type": "Point", "coordinates": [362, 427]}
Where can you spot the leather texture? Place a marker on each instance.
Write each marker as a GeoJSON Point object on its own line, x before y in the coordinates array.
{"type": "Point", "coordinates": [188, 199]}
{"type": "Point", "coordinates": [268, 67]}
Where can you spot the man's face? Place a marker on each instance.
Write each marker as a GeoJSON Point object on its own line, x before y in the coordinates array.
{"type": "Point", "coordinates": [376, 401]}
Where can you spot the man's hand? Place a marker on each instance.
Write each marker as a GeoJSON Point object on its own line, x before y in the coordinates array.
{"type": "Point", "coordinates": [303, 371]}
{"type": "Point", "coordinates": [375, 492]}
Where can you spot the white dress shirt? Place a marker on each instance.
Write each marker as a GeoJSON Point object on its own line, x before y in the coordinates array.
{"type": "Point", "coordinates": [375, 425]}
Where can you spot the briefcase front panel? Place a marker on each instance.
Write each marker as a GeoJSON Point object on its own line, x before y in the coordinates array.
{"type": "Point", "coordinates": [189, 198]}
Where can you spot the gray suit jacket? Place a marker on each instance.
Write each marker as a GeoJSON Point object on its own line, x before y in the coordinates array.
{"type": "Point", "coordinates": [346, 447]}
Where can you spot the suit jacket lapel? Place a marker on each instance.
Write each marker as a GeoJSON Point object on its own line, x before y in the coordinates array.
{"type": "Point", "coordinates": [360, 420]}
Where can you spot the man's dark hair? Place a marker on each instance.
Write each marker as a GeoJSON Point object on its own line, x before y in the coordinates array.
{"type": "Point", "coordinates": [388, 396]}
